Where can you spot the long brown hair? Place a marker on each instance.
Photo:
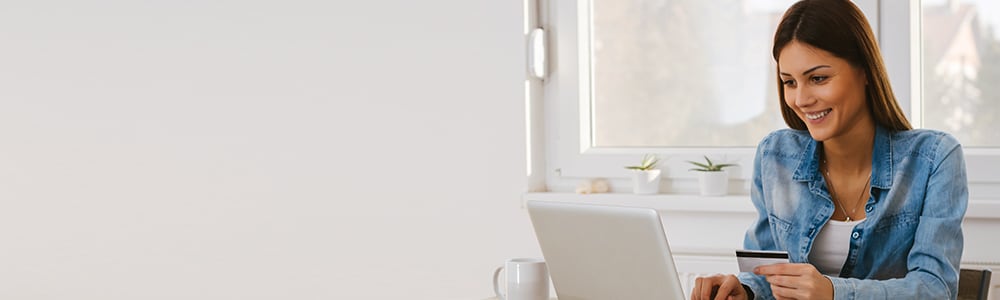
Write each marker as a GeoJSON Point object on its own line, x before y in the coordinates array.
{"type": "Point", "coordinates": [839, 27]}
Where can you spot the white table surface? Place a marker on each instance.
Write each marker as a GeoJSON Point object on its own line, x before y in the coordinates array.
{"type": "Point", "coordinates": [495, 298]}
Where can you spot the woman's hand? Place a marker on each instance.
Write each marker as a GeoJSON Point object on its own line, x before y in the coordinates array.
{"type": "Point", "coordinates": [796, 281]}
{"type": "Point", "coordinates": [721, 287]}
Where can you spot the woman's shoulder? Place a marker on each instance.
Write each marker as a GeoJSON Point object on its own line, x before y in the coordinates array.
{"type": "Point", "coordinates": [785, 141]}
{"type": "Point", "coordinates": [929, 143]}
{"type": "Point", "coordinates": [787, 136]}
{"type": "Point", "coordinates": [925, 139]}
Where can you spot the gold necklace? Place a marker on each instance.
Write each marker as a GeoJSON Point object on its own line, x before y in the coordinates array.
{"type": "Point", "coordinates": [830, 187]}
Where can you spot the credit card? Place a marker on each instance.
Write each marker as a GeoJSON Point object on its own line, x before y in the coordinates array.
{"type": "Point", "coordinates": [750, 259]}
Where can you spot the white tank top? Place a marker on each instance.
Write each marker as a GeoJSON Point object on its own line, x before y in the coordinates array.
{"type": "Point", "coordinates": [829, 250]}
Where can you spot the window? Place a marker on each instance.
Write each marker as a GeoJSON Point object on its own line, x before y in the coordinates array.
{"type": "Point", "coordinates": [961, 69]}
{"type": "Point", "coordinates": [683, 78]}
{"type": "Point", "coordinates": [664, 76]}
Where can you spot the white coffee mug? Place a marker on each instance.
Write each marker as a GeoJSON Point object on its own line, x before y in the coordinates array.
{"type": "Point", "coordinates": [525, 278]}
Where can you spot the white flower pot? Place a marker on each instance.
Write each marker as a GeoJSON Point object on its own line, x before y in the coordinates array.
{"type": "Point", "coordinates": [646, 182]}
{"type": "Point", "coordinates": [713, 183]}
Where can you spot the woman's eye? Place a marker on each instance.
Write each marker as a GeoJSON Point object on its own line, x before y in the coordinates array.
{"type": "Point", "coordinates": [818, 79]}
{"type": "Point", "coordinates": [788, 83]}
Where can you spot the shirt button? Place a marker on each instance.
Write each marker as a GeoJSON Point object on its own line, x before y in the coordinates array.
{"type": "Point", "coordinates": [855, 235]}
{"type": "Point", "coordinates": [869, 208]}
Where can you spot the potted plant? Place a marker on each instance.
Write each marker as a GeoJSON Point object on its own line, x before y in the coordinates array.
{"type": "Point", "coordinates": [645, 176]}
{"type": "Point", "coordinates": [713, 180]}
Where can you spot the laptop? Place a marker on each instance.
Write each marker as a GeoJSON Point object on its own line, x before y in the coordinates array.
{"type": "Point", "coordinates": [597, 252]}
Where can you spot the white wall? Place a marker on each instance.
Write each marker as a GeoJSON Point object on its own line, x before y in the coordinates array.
{"type": "Point", "coordinates": [260, 149]}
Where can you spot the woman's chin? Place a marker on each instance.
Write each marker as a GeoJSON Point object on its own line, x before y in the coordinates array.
{"type": "Point", "coordinates": [818, 134]}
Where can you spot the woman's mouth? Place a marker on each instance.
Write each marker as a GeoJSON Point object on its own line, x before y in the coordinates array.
{"type": "Point", "coordinates": [817, 115]}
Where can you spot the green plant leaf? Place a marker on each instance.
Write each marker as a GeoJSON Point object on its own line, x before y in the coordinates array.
{"type": "Point", "coordinates": [703, 166]}
{"type": "Point", "coordinates": [720, 166]}
{"type": "Point", "coordinates": [649, 164]}
{"type": "Point", "coordinates": [710, 166]}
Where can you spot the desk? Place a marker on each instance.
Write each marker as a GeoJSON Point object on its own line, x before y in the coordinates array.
{"type": "Point", "coordinates": [495, 298]}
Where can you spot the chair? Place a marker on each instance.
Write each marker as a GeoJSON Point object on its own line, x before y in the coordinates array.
{"type": "Point", "coordinates": [974, 284]}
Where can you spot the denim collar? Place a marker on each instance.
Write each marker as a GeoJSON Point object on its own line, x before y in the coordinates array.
{"type": "Point", "coordinates": [808, 169]}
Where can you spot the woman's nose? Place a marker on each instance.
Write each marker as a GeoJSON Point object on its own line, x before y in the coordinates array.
{"type": "Point", "coordinates": [803, 98]}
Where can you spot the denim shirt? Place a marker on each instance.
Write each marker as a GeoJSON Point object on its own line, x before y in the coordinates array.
{"type": "Point", "coordinates": [910, 243]}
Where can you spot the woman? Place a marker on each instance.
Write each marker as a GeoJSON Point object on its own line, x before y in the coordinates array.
{"type": "Point", "coordinates": [866, 207]}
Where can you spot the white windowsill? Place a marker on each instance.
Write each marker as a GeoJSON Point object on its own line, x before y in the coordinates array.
{"type": "Point", "coordinates": [978, 209]}
{"type": "Point", "coordinates": [660, 202]}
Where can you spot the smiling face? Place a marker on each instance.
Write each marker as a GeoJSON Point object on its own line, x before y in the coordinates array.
{"type": "Point", "coordinates": [825, 91]}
